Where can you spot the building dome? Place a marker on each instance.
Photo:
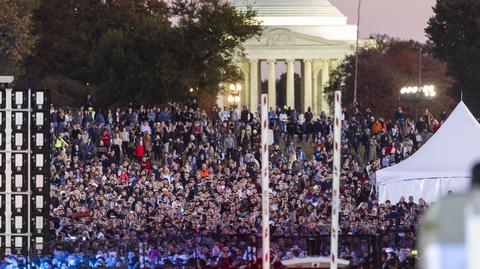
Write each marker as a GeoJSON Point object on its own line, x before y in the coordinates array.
{"type": "Point", "coordinates": [289, 12]}
{"type": "Point", "coordinates": [318, 18]}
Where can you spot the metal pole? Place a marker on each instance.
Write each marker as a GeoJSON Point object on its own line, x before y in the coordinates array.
{"type": "Point", "coordinates": [265, 183]}
{"type": "Point", "coordinates": [336, 181]}
{"type": "Point", "coordinates": [8, 171]}
{"type": "Point", "coordinates": [420, 67]}
{"type": "Point", "coordinates": [355, 86]}
{"type": "Point", "coordinates": [29, 168]}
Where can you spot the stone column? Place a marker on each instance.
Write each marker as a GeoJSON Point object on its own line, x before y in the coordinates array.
{"type": "Point", "coordinates": [245, 89]}
{"type": "Point", "coordinates": [220, 100]}
{"type": "Point", "coordinates": [325, 79]}
{"type": "Point", "coordinates": [253, 86]}
{"type": "Point", "coordinates": [290, 84]}
{"type": "Point", "coordinates": [272, 91]}
{"type": "Point", "coordinates": [307, 84]}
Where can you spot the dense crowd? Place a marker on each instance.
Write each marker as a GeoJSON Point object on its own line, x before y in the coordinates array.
{"type": "Point", "coordinates": [179, 171]}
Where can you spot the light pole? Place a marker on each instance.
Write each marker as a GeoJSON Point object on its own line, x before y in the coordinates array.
{"type": "Point", "coordinates": [355, 85]}
{"type": "Point", "coordinates": [417, 94]}
{"type": "Point", "coordinates": [234, 97]}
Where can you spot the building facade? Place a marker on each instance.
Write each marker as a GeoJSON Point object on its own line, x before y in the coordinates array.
{"type": "Point", "coordinates": [312, 33]}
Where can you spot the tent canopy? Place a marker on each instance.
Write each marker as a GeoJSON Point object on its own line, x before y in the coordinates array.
{"type": "Point", "coordinates": [441, 165]}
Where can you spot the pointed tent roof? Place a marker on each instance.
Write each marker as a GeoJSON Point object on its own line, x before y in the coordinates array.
{"type": "Point", "coordinates": [451, 152]}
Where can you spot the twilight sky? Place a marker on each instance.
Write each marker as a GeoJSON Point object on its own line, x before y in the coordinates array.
{"type": "Point", "coordinates": [404, 19]}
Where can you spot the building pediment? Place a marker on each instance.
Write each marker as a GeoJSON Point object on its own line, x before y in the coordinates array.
{"type": "Point", "coordinates": [282, 37]}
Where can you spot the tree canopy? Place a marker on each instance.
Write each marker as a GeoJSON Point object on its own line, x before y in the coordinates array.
{"type": "Point", "coordinates": [142, 51]}
{"type": "Point", "coordinates": [16, 38]}
{"type": "Point", "coordinates": [455, 33]}
{"type": "Point", "coordinates": [386, 68]}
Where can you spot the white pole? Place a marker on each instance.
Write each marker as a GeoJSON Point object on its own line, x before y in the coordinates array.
{"type": "Point", "coordinates": [355, 85]}
{"type": "Point", "coordinates": [336, 180]}
{"type": "Point", "coordinates": [265, 183]}
{"type": "Point", "coordinates": [8, 170]}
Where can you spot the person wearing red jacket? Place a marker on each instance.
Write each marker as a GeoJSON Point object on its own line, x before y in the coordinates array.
{"type": "Point", "coordinates": [140, 150]}
{"type": "Point", "coordinates": [391, 148]}
{"type": "Point", "coordinates": [106, 138]}
{"type": "Point", "coordinates": [146, 165]}
{"type": "Point", "coordinates": [123, 177]}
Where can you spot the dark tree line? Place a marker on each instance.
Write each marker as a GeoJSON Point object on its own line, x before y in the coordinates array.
{"type": "Point", "coordinates": [455, 33]}
{"type": "Point", "coordinates": [141, 51]}
{"type": "Point", "coordinates": [386, 68]}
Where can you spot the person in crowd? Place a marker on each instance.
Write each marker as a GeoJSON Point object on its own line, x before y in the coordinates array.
{"type": "Point", "coordinates": [160, 173]}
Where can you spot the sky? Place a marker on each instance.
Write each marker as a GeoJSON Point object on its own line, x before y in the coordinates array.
{"type": "Point", "coordinates": [405, 19]}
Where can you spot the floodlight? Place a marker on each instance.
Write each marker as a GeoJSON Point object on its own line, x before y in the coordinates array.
{"type": "Point", "coordinates": [39, 201]}
{"type": "Point", "coordinates": [40, 98]}
{"type": "Point", "coordinates": [18, 118]}
{"type": "Point", "coordinates": [18, 160]}
{"type": "Point", "coordinates": [18, 242]}
{"type": "Point", "coordinates": [39, 140]}
{"type": "Point", "coordinates": [18, 139]}
{"type": "Point", "coordinates": [39, 181]}
{"type": "Point", "coordinates": [18, 181]}
{"type": "Point", "coordinates": [28, 213]}
{"type": "Point", "coordinates": [18, 223]}
{"type": "Point", "coordinates": [39, 160]}
{"type": "Point", "coordinates": [39, 222]}
{"type": "Point", "coordinates": [19, 98]}
{"type": "Point", "coordinates": [18, 202]}
{"type": "Point", "coordinates": [39, 119]}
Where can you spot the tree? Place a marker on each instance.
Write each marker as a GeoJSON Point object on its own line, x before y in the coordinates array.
{"type": "Point", "coordinates": [16, 38]}
{"type": "Point", "coordinates": [129, 50]}
{"type": "Point", "coordinates": [455, 32]}
{"type": "Point", "coordinates": [383, 70]}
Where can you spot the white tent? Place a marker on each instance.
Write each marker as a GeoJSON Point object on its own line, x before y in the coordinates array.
{"type": "Point", "coordinates": [443, 164]}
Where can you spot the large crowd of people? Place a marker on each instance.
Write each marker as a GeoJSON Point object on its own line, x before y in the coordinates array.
{"type": "Point", "coordinates": [185, 183]}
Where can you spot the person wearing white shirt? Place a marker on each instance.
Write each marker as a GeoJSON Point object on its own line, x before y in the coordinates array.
{"type": "Point", "coordinates": [224, 115]}
{"type": "Point", "coordinates": [283, 121]}
{"type": "Point", "coordinates": [145, 128]}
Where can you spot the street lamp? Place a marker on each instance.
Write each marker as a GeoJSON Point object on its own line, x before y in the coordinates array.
{"type": "Point", "coordinates": [417, 94]}
{"type": "Point", "coordinates": [234, 97]}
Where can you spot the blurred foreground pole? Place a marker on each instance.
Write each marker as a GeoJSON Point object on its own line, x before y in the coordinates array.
{"type": "Point", "coordinates": [265, 183]}
{"type": "Point", "coordinates": [336, 180]}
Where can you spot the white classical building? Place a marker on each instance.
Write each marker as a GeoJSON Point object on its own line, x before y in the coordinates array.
{"type": "Point", "coordinates": [312, 32]}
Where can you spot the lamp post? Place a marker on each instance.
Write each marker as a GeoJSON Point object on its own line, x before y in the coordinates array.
{"type": "Point", "coordinates": [417, 94]}
{"type": "Point", "coordinates": [234, 97]}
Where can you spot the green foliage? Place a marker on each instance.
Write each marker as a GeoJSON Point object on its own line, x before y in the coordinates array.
{"type": "Point", "coordinates": [141, 51]}
{"type": "Point", "coordinates": [383, 70]}
{"type": "Point", "coordinates": [455, 33]}
{"type": "Point", "coordinates": [16, 38]}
